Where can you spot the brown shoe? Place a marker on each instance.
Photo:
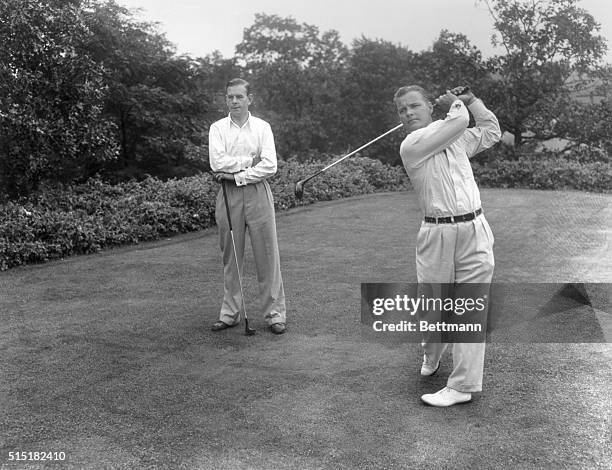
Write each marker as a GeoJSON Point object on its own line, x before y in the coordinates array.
{"type": "Point", "coordinates": [278, 328]}
{"type": "Point", "coordinates": [221, 325]}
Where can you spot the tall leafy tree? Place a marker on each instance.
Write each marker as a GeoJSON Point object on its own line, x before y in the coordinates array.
{"type": "Point", "coordinates": [52, 93]}
{"type": "Point", "coordinates": [545, 43]}
{"type": "Point", "coordinates": [451, 61]}
{"type": "Point", "coordinates": [154, 98]}
{"type": "Point", "coordinates": [577, 123]}
{"type": "Point", "coordinates": [297, 73]}
{"type": "Point", "coordinates": [272, 38]}
{"type": "Point", "coordinates": [210, 76]}
{"type": "Point", "coordinates": [376, 68]}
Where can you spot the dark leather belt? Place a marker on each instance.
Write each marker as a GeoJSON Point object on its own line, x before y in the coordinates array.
{"type": "Point", "coordinates": [453, 219]}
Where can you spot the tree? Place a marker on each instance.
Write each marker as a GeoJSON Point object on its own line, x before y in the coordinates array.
{"type": "Point", "coordinates": [297, 74]}
{"type": "Point", "coordinates": [451, 61]}
{"type": "Point", "coordinates": [273, 39]}
{"type": "Point", "coordinates": [545, 43]}
{"type": "Point", "coordinates": [211, 75]}
{"type": "Point", "coordinates": [376, 70]}
{"type": "Point", "coordinates": [578, 124]}
{"type": "Point", "coordinates": [154, 97]}
{"type": "Point", "coordinates": [51, 96]}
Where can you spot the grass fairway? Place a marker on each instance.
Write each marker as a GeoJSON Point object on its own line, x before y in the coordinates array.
{"type": "Point", "coordinates": [110, 358]}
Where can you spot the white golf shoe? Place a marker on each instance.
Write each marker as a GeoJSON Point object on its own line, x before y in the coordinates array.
{"type": "Point", "coordinates": [446, 397]}
{"type": "Point", "coordinates": [427, 368]}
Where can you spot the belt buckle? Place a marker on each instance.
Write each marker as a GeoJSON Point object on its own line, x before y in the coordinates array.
{"type": "Point", "coordinates": [452, 218]}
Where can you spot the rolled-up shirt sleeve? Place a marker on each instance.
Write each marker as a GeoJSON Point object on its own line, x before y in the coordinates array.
{"type": "Point", "coordinates": [220, 160]}
{"type": "Point", "coordinates": [426, 142]}
{"type": "Point", "coordinates": [484, 134]}
{"type": "Point", "coordinates": [267, 152]}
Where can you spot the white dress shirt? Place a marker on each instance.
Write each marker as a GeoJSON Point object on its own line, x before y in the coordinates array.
{"type": "Point", "coordinates": [436, 159]}
{"type": "Point", "coordinates": [232, 149]}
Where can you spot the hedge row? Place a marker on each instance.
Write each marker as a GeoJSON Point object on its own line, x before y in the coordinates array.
{"type": "Point", "coordinates": [94, 216]}
{"type": "Point", "coordinates": [545, 171]}
{"type": "Point", "coordinates": [88, 218]}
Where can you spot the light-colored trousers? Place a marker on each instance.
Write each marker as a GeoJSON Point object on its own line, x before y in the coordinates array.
{"type": "Point", "coordinates": [252, 208]}
{"type": "Point", "coordinates": [457, 253]}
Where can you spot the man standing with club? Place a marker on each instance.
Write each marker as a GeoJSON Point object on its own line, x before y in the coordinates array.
{"type": "Point", "coordinates": [242, 157]}
{"type": "Point", "coordinates": [455, 243]}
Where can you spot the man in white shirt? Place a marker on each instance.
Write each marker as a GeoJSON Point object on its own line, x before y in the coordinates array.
{"type": "Point", "coordinates": [455, 242]}
{"type": "Point", "coordinates": [242, 152]}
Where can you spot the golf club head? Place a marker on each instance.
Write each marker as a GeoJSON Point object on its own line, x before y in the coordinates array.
{"type": "Point", "coordinates": [248, 331]}
{"type": "Point", "coordinates": [299, 189]}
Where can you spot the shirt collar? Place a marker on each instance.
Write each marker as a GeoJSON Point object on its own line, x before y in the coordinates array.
{"type": "Point", "coordinates": [246, 123]}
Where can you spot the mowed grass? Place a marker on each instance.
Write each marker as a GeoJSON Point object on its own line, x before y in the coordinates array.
{"type": "Point", "coordinates": [110, 358]}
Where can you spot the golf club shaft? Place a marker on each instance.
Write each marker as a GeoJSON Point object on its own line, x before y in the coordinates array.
{"type": "Point", "coordinates": [354, 152]}
{"type": "Point", "coordinates": [229, 220]}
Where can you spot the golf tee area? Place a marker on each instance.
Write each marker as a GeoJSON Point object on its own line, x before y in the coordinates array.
{"type": "Point", "coordinates": [109, 358]}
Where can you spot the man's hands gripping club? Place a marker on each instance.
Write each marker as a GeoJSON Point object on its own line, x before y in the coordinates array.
{"type": "Point", "coordinates": [462, 93]}
{"type": "Point", "coordinates": [221, 175]}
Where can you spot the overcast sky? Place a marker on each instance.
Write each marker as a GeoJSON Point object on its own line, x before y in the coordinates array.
{"type": "Point", "coordinates": [198, 27]}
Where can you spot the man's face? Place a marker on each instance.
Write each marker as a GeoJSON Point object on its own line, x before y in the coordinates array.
{"type": "Point", "coordinates": [238, 101]}
{"type": "Point", "coordinates": [414, 111]}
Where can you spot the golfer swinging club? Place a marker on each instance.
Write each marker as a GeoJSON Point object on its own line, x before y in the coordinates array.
{"type": "Point", "coordinates": [455, 242]}
{"type": "Point", "coordinates": [242, 156]}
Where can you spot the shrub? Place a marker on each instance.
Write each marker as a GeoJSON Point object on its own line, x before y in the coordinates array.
{"type": "Point", "coordinates": [545, 171]}
{"type": "Point", "coordinates": [356, 175]}
{"type": "Point", "coordinates": [88, 218]}
{"type": "Point", "coordinates": [68, 220]}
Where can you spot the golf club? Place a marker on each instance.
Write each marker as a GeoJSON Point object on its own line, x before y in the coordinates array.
{"type": "Point", "coordinates": [247, 330]}
{"type": "Point", "coordinates": [299, 186]}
